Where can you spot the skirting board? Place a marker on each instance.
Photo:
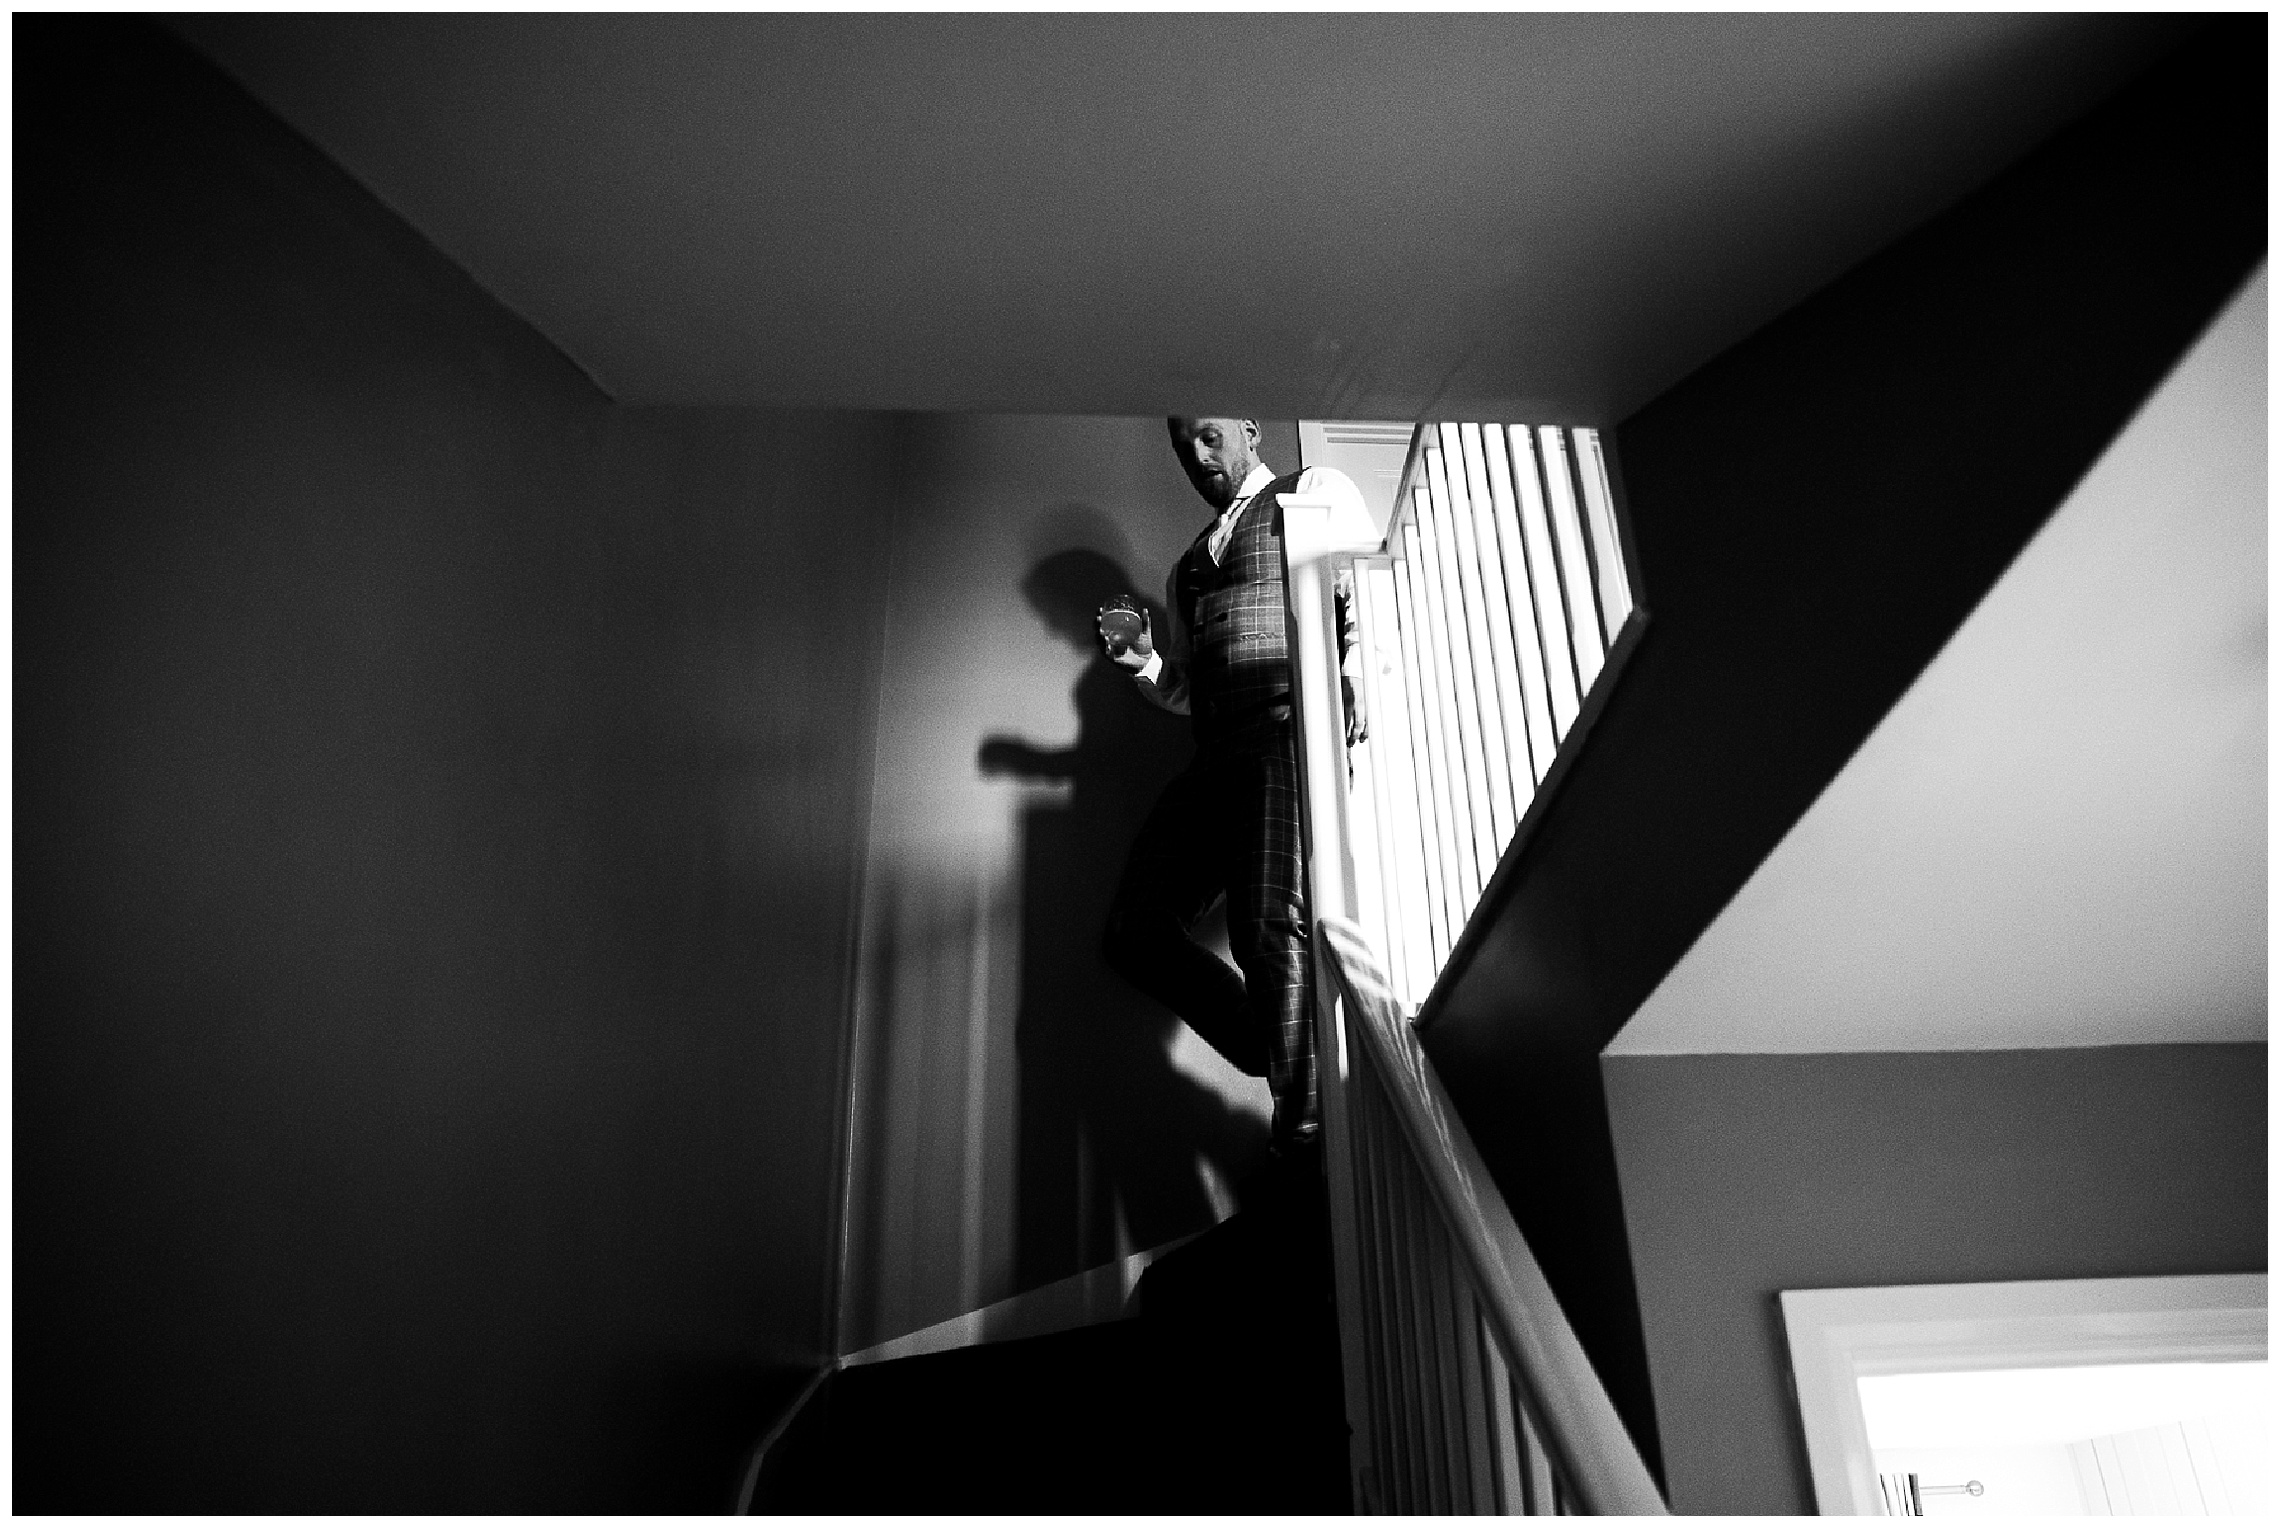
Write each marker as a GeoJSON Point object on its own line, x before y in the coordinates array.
{"type": "Point", "coordinates": [1082, 1299]}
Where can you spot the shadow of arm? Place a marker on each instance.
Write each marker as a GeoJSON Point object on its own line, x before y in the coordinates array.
{"type": "Point", "coordinates": [1012, 756]}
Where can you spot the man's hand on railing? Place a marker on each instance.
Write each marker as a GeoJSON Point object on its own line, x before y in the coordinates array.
{"type": "Point", "coordinates": [1357, 716]}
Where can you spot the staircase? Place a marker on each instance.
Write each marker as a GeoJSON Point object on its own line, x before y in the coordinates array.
{"type": "Point", "coordinates": [1222, 1394]}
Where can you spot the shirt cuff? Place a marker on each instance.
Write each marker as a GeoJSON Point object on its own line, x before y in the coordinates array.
{"type": "Point", "coordinates": [1149, 670]}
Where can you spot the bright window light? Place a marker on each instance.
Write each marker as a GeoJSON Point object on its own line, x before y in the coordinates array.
{"type": "Point", "coordinates": [2006, 1407]}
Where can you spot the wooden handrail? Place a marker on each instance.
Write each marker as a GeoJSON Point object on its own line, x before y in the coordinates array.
{"type": "Point", "coordinates": [1593, 1452]}
{"type": "Point", "coordinates": [1420, 1232]}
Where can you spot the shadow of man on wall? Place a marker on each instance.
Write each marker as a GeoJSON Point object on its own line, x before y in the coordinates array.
{"type": "Point", "coordinates": [1109, 1125]}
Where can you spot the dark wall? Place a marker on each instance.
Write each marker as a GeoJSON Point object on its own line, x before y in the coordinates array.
{"type": "Point", "coordinates": [1812, 515]}
{"type": "Point", "coordinates": [1747, 1175]}
{"type": "Point", "coordinates": [437, 794]}
{"type": "Point", "coordinates": [1024, 1113]}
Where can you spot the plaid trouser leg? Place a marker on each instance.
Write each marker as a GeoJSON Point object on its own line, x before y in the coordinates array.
{"type": "Point", "coordinates": [1267, 928]}
{"type": "Point", "coordinates": [1229, 825]}
{"type": "Point", "coordinates": [1173, 877]}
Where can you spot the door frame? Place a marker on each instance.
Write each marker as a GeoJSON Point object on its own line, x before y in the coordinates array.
{"type": "Point", "coordinates": [1838, 1335]}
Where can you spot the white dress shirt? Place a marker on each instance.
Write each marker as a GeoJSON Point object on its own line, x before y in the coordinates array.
{"type": "Point", "coordinates": [1172, 694]}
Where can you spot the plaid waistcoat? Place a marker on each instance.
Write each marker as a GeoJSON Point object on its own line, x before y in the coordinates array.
{"type": "Point", "coordinates": [1238, 634]}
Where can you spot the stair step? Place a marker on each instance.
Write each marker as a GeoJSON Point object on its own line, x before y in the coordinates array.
{"type": "Point", "coordinates": [1222, 1396]}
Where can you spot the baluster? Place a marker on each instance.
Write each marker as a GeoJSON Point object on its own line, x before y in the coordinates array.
{"type": "Point", "coordinates": [1544, 578]}
{"type": "Point", "coordinates": [1496, 611]}
{"type": "Point", "coordinates": [1480, 1444]}
{"type": "Point", "coordinates": [1432, 1463]}
{"type": "Point", "coordinates": [1412, 832]}
{"type": "Point", "coordinates": [1416, 1371]}
{"type": "Point", "coordinates": [1441, 584]}
{"type": "Point", "coordinates": [1520, 604]}
{"type": "Point", "coordinates": [1439, 749]}
{"type": "Point", "coordinates": [1429, 818]}
{"type": "Point", "coordinates": [1504, 1422]}
{"type": "Point", "coordinates": [1416, 1493]}
{"type": "Point", "coordinates": [1385, 1420]}
{"type": "Point", "coordinates": [1543, 1485]}
{"type": "Point", "coordinates": [1455, 493]}
{"type": "Point", "coordinates": [1408, 939]}
{"type": "Point", "coordinates": [1432, 605]}
{"type": "Point", "coordinates": [1374, 891]}
{"type": "Point", "coordinates": [1606, 545]}
{"type": "Point", "coordinates": [1401, 1342]}
{"type": "Point", "coordinates": [1575, 565]}
{"type": "Point", "coordinates": [1440, 1290]}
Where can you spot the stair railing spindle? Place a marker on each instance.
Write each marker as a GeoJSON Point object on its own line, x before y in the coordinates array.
{"type": "Point", "coordinates": [1443, 584]}
{"type": "Point", "coordinates": [1393, 1431]}
{"type": "Point", "coordinates": [1520, 602]}
{"type": "Point", "coordinates": [1575, 562]}
{"type": "Point", "coordinates": [1361, 1120]}
{"type": "Point", "coordinates": [1437, 749]}
{"type": "Point", "coordinates": [1544, 577]}
{"type": "Point", "coordinates": [1496, 614]}
{"type": "Point", "coordinates": [1448, 1309]}
{"type": "Point", "coordinates": [1503, 1425]}
{"type": "Point", "coordinates": [1606, 545]}
{"type": "Point", "coordinates": [1480, 1442]}
{"type": "Point", "coordinates": [1543, 1501]}
{"type": "Point", "coordinates": [1480, 671]}
{"type": "Point", "coordinates": [1414, 846]}
{"type": "Point", "coordinates": [1374, 888]}
{"type": "Point", "coordinates": [1441, 691]}
{"type": "Point", "coordinates": [1427, 1378]}
{"type": "Point", "coordinates": [1408, 945]}
{"type": "Point", "coordinates": [1448, 1461]}
{"type": "Point", "coordinates": [1390, 1419]}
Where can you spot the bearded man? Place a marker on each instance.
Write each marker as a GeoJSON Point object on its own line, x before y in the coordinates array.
{"type": "Point", "coordinates": [1229, 826]}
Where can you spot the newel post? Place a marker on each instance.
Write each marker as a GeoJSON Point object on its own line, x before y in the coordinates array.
{"type": "Point", "coordinates": [1315, 530]}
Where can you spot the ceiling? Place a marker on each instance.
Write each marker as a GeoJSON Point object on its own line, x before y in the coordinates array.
{"type": "Point", "coordinates": [2058, 836]}
{"type": "Point", "coordinates": [1318, 216]}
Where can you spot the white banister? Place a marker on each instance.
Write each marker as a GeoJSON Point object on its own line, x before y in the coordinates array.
{"type": "Point", "coordinates": [1478, 1289]}
{"type": "Point", "coordinates": [1478, 610]}
{"type": "Point", "coordinates": [1315, 530]}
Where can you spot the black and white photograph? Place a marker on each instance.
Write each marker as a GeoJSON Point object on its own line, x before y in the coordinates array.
{"type": "Point", "coordinates": [694, 832]}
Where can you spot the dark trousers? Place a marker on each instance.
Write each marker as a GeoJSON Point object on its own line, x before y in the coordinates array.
{"type": "Point", "coordinates": [1228, 827]}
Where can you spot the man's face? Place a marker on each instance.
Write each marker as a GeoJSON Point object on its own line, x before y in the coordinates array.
{"type": "Point", "coordinates": [1217, 454]}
